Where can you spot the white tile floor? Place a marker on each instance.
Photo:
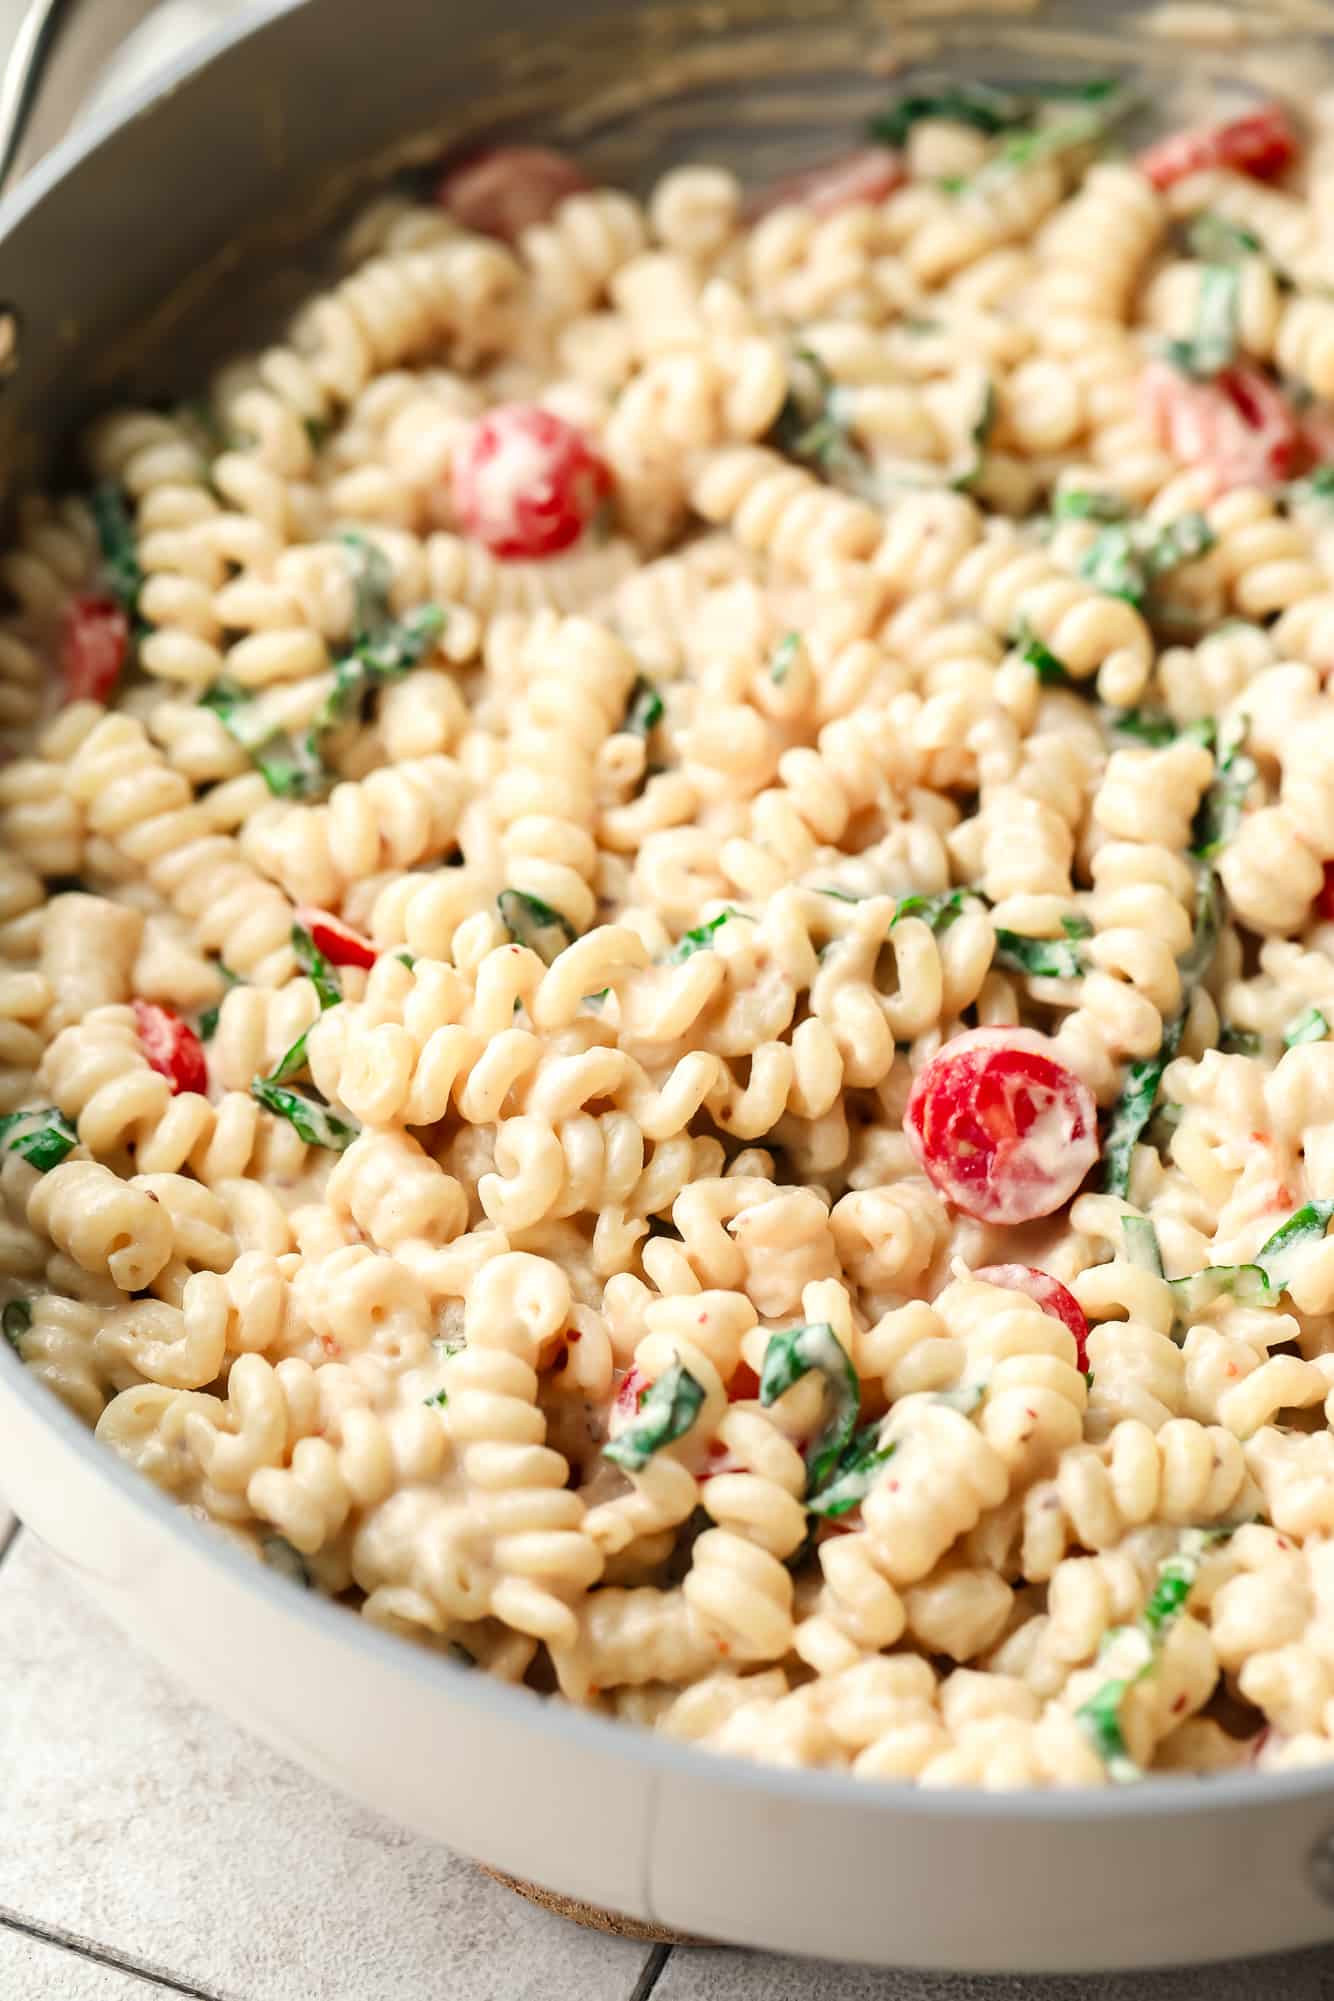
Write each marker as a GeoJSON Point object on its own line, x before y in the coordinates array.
{"type": "Point", "coordinates": [148, 1848]}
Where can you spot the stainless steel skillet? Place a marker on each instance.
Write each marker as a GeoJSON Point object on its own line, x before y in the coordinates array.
{"type": "Point", "coordinates": [154, 242]}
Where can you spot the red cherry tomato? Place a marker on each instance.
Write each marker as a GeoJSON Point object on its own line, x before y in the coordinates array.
{"type": "Point", "coordinates": [1324, 902]}
{"type": "Point", "coordinates": [718, 1459]}
{"type": "Point", "coordinates": [867, 175]}
{"type": "Point", "coordinates": [505, 190]}
{"type": "Point", "coordinates": [340, 944]}
{"type": "Point", "coordinates": [1004, 1131]}
{"type": "Point", "coordinates": [171, 1046]}
{"type": "Point", "coordinates": [745, 1384]}
{"type": "Point", "coordinates": [1240, 426]}
{"type": "Point", "coordinates": [1048, 1293]}
{"type": "Point", "coordinates": [94, 646]}
{"type": "Point", "coordinates": [1261, 144]}
{"type": "Point", "coordinates": [633, 1385]}
{"type": "Point", "coordinates": [526, 483]}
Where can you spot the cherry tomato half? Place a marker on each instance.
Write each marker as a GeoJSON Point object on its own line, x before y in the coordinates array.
{"type": "Point", "coordinates": [507, 189]}
{"type": "Point", "coordinates": [867, 175]}
{"type": "Point", "coordinates": [1005, 1132]}
{"type": "Point", "coordinates": [94, 646]}
{"type": "Point", "coordinates": [171, 1046]}
{"type": "Point", "coordinates": [1046, 1292]}
{"type": "Point", "coordinates": [526, 483]}
{"type": "Point", "coordinates": [1240, 427]}
{"type": "Point", "coordinates": [340, 944]}
{"type": "Point", "coordinates": [1261, 144]}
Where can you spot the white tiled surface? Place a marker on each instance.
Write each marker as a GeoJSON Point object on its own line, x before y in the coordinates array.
{"type": "Point", "coordinates": [149, 1848]}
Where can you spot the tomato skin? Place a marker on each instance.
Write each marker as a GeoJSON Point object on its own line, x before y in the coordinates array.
{"type": "Point", "coordinates": [526, 483]}
{"type": "Point", "coordinates": [506, 189]}
{"type": "Point", "coordinates": [1262, 144]}
{"type": "Point", "coordinates": [1046, 1292]}
{"type": "Point", "coordinates": [1240, 427]}
{"type": "Point", "coordinates": [1324, 902]}
{"type": "Point", "coordinates": [1004, 1131]}
{"type": "Point", "coordinates": [868, 174]}
{"type": "Point", "coordinates": [172, 1047]}
{"type": "Point", "coordinates": [745, 1384]}
{"type": "Point", "coordinates": [340, 944]}
{"type": "Point", "coordinates": [94, 646]}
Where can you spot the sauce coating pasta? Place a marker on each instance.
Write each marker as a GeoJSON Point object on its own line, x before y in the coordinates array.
{"type": "Point", "coordinates": [666, 942]}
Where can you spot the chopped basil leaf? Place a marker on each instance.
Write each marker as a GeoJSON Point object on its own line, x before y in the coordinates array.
{"type": "Point", "coordinates": [1196, 960]}
{"type": "Point", "coordinates": [841, 895]}
{"type": "Point", "coordinates": [1036, 653]}
{"type": "Point", "coordinates": [1141, 1244]}
{"type": "Point", "coordinates": [385, 654]}
{"type": "Point", "coordinates": [291, 767]}
{"type": "Point", "coordinates": [1309, 1027]}
{"type": "Point", "coordinates": [292, 1063]}
{"type": "Point", "coordinates": [531, 922]}
{"type": "Point", "coordinates": [852, 1478]}
{"type": "Point", "coordinates": [1220, 810]}
{"type": "Point", "coordinates": [1044, 958]}
{"type": "Point", "coordinates": [785, 654]}
{"type": "Point", "coordinates": [279, 1555]}
{"type": "Point", "coordinates": [15, 1322]}
{"type": "Point", "coordinates": [208, 1020]}
{"type": "Point", "coordinates": [810, 427]}
{"type": "Point", "coordinates": [372, 577]}
{"type": "Point", "coordinates": [644, 710]}
{"type": "Point", "coordinates": [311, 1120]}
{"type": "Point", "coordinates": [667, 1411]}
{"type": "Point", "coordinates": [977, 105]}
{"type": "Point", "coordinates": [1212, 347]}
{"type": "Point", "coordinates": [1198, 1290]}
{"type": "Point", "coordinates": [1306, 1226]}
{"type": "Point", "coordinates": [702, 937]}
{"type": "Point", "coordinates": [1085, 127]}
{"type": "Point", "coordinates": [408, 959]}
{"type": "Point", "coordinates": [1217, 240]}
{"type": "Point", "coordinates": [938, 911]}
{"type": "Point", "coordinates": [1239, 1041]}
{"type": "Point", "coordinates": [120, 554]}
{"type": "Point", "coordinates": [41, 1137]}
{"type": "Point", "coordinates": [1083, 504]}
{"type": "Point", "coordinates": [316, 968]}
{"type": "Point", "coordinates": [1127, 557]}
{"type": "Point", "coordinates": [1100, 1716]}
{"type": "Point", "coordinates": [792, 1355]}
{"type": "Point", "coordinates": [1134, 1108]}
{"type": "Point", "coordinates": [438, 1400]}
{"type": "Point", "coordinates": [979, 437]}
{"type": "Point", "coordinates": [1152, 726]}
{"type": "Point", "coordinates": [1077, 926]}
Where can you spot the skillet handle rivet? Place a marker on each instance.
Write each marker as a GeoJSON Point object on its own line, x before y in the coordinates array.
{"type": "Point", "coordinates": [1320, 1868]}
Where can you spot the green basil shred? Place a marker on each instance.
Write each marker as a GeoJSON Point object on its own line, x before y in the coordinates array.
{"type": "Point", "coordinates": [784, 655]}
{"type": "Point", "coordinates": [1100, 1716]}
{"type": "Point", "coordinates": [42, 1136]}
{"type": "Point", "coordinates": [644, 710]}
{"type": "Point", "coordinates": [1308, 1027]}
{"type": "Point", "coordinates": [531, 922]}
{"type": "Point", "coordinates": [666, 1412]}
{"type": "Point", "coordinates": [794, 1353]}
{"type": "Point", "coordinates": [702, 937]}
{"type": "Point", "coordinates": [15, 1320]}
{"type": "Point", "coordinates": [310, 1118]}
{"type": "Point", "coordinates": [1044, 958]}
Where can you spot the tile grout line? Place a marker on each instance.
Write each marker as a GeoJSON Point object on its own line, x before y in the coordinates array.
{"type": "Point", "coordinates": [651, 1972]}
{"type": "Point", "coordinates": [81, 1948]}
